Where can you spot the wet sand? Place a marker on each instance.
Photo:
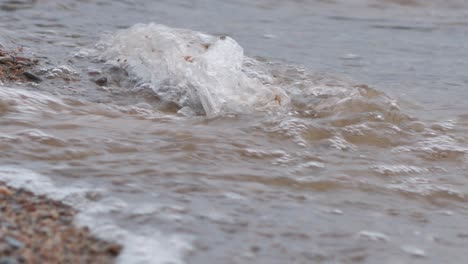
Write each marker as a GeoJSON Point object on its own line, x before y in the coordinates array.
{"type": "Point", "coordinates": [34, 229]}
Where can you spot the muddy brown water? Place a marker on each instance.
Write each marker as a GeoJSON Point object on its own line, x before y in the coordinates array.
{"type": "Point", "coordinates": [370, 167]}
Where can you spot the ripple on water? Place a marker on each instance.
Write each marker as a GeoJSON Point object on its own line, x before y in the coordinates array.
{"type": "Point", "coordinates": [396, 170]}
{"type": "Point", "coordinates": [437, 147]}
{"type": "Point", "coordinates": [29, 103]}
{"type": "Point", "coordinates": [36, 135]}
{"type": "Point", "coordinates": [373, 236]}
{"type": "Point", "coordinates": [263, 154]}
{"type": "Point", "coordinates": [427, 188]}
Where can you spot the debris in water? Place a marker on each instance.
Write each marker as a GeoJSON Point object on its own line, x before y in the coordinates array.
{"type": "Point", "coordinates": [278, 99]}
{"type": "Point", "coordinates": [101, 81]}
{"type": "Point", "coordinates": [212, 80]}
{"type": "Point", "coordinates": [188, 59]}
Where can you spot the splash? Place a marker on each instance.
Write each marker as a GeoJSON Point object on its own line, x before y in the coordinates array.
{"type": "Point", "coordinates": [200, 73]}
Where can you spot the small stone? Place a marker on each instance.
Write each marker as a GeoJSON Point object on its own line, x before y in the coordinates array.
{"type": "Point", "coordinates": [16, 244]}
{"type": "Point", "coordinates": [93, 72]}
{"type": "Point", "coordinates": [29, 207]}
{"type": "Point", "coordinates": [5, 191]}
{"type": "Point", "coordinates": [7, 260]}
{"type": "Point", "coordinates": [4, 249]}
{"type": "Point", "coordinates": [24, 63]}
{"type": "Point", "coordinates": [54, 215]}
{"type": "Point", "coordinates": [114, 249]}
{"type": "Point", "coordinates": [101, 81]}
{"type": "Point", "coordinates": [32, 77]}
{"type": "Point", "coordinates": [188, 59]}
{"type": "Point", "coordinates": [255, 249]}
{"type": "Point", "coordinates": [6, 59]}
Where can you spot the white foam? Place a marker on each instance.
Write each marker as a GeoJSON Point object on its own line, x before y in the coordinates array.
{"type": "Point", "coordinates": [425, 187]}
{"type": "Point", "coordinates": [374, 236]}
{"type": "Point", "coordinates": [152, 247]}
{"type": "Point", "coordinates": [191, 69]}
{"type": "Point", "coordinates": [390, 170]}
{"type": "Point", "coordinates": [414, 251]}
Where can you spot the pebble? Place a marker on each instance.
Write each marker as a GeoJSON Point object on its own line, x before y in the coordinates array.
{"type": "Point", "coordinates": [94, 72]}
{"type": "Point", "coordinates": [6, 59]}
{"type": "Point", "coordinates": [101, 81]}
{"type": "Point", "coordinates": [13, 242]}
{"type": "Point", "coordinates": [32, 77]}
{"type": "Point", "coordinates": [4, 249]}
{"type": "Point", "coordinates": [114, 249]}
{"type": "Point", "coordinates": [4, 191]}
{"type": "Point", "coordinates": [14, 68]}
{"type": "Point", "coordinates": [7, 260]}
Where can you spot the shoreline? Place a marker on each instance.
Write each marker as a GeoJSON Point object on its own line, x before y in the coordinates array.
{"type": "Point", "coordinates": [35, 229]}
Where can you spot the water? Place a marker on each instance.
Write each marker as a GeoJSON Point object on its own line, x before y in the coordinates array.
{"type": "Point", "coordinates": [364, 163]}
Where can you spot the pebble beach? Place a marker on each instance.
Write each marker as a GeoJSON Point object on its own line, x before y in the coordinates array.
{"type": "Point", "coordinates": [34, 229]}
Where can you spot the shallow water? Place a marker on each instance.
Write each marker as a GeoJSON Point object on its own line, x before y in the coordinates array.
{"type": "Point", "coordinates": [366, 165]}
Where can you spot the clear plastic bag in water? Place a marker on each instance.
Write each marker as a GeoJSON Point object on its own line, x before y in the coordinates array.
{"type": "Point", "coordinates": [191, 69]}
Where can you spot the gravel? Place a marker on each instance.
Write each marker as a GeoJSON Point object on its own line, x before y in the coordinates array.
{"type": "Point", "coordinates": [14, 68]}
{"type": "Point", "coordinates": [34, 229]}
